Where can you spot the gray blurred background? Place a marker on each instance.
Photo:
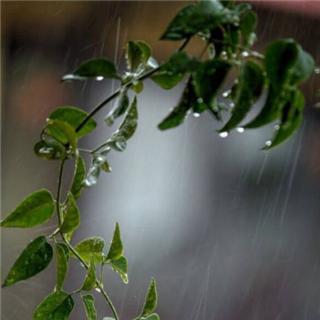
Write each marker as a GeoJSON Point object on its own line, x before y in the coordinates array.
{"type": "Point", "coordinates": [230, 232]}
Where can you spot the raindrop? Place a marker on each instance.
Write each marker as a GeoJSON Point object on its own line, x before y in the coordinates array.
{"type": "Point", "coordinates": [317, 70]}
{"type": "Point", "coordinates": [245, 54]}
{"type": "Point", "coordinates": [231, 105]}
{"type": "Point", "coordinates": [200, 100]}
{"type": "Point", "coordinates": [99, 78]}
{"type": "Point", "coordinates": [90, 181]}
{"type": "Point", "coordinates": [268, 143]}
{"type": "Point", "coordinates": [226, 94]}
{"type": "Point", "coordinates": [223, 134]}
{"type": "Point", "coordinates": [196, 114]}
{"type": "Point", "coordinates": [98, 290]}
{"type": "Point", "coordinates": [240, 129]}
{"type": "Point", "coordinates": [276, 127]}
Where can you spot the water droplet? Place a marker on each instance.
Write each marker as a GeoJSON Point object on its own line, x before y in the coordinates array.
{"type": "Point", "coordinates": [240, 129]}
{"type": "Point", "coordinates": [276, 127]}
{"type": "Point", "coordinates": [245, 54]}
{"type": "Point", "coordinates": [99, 78]}
{"type": "Point", "coordinates": [231, 105]}
{"type": "Point", "coordinates": [317, 70]}
{"type": "Point", "coordinates": [200, 100]}
{"type": "Point", "coordinates": [196, 114]}
{"type": "Point", "coordinates": [223, 134]}
{"type": "Point", "coordinates": [268, 143]}
{"type": "Point", "coordinates": [226, 94]}
{"type": "Point", "coordinates": [98, 290]}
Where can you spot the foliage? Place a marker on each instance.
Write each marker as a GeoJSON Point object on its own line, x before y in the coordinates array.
{"type": "Point", "coordinates": [228, 33]}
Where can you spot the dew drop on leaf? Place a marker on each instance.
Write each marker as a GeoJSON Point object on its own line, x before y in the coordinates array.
{"type": "Point", "coordinates": [223, 134]}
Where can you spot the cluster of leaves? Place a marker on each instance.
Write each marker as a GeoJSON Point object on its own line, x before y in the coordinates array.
{"type": "Point", "coordinates": [228, 32]}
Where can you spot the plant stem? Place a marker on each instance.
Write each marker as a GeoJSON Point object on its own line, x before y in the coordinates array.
{"type": "Point", "coordinates": [117, 92]}
{"type": "Point", "coordinates": [72, 249]}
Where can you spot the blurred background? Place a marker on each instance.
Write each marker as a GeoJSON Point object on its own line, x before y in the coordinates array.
{"type": "Point", "coordinates": [230, 232]}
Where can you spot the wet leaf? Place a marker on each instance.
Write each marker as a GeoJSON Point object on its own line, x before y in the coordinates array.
{"type": "Point", "coordinates": [198, 18]}
{"type": "Point", "coordinates": [249, 89]}
{"type": "Point", "coordinates": [116, 247]}
{"type": "Point", "coordinates": [62, 132]}
{"type": "Point", "coordinates": [62, 256]}
{"type": "Point", "coordinates": [33, 259]}
{"type": "Point", "coordinates": [180, 112]}
{"type": "Point", "coordinates": [90, 280]}
{"type": "Point", "coordinates": [121, 267]}
{"type": "Point", "coordinates": [56, 306]}
{"type": "Point", "coordinates": [91, 248]}
{"type": "Point", "coordinates": [120, 108]}
{"type": "Point", "coordinates": [137, 55]}
{"type": "Point", "coordinates": [248, 24]}
{"type": "Point", "coordinates": [88, 302]}
{"type": "Point", "coordinates": [50, 149]}
{"type": "Point", "coordinates": [291, 119]}
{"type": "Point", "coordinates": [78, 177]}
{"type": "Point", "coordinates": [74, 117]}
{"type": "Point", "coordinates": [35, 209]}
{"type": "Point", "coordinates": [208, 79]}
{"type": "Point", "coordinates": [71, 215]}
{"type": "Point", "coordinates": [151, 300]}
{"type": "Point", "coordinates": [98, 68]}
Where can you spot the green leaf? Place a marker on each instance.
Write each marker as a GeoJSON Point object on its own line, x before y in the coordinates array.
{"type": "Point", "coordinates": [180, 112]}
{"type": "Point", "coordinates": [91, 248]}
{"type": "Point", "coordinates": [248, 24]}
{"type": "Point", "coordinates": [151, 300]}
{"type": "Point", "coordinates": [120, 108]}
{"type": "Point", "coordinates": [98, 68]}
{"type": "Point", "coordinates": [71, 218]}
{"type": "Point", "coordinates": [121, 267]}
{"type": "Point", "coordinates": [78, 177]}
{"type": "Point", "coordinates": [291, 119]}
{"type": "Point", "coordinates": [249, 89]}
{"type": "Point", "coordinates": [62, 256]}
{"type": "Point", "coordinates": [116, 248]}
{"type": "Point", "coordinates": [198, 18]}
{"type": "Point", "coordinates": [56, 306]}
{"type": "Point", "coordinates": [33, 259]}
{"type": "Point", "coordinates": [35, 209]}
{"type": "Point", "coordinates": [208, 79]}
{"type": "Point", "coordinates": [173, 71]}
{"type": "Point", "coordinates": [90, 280]}
{"type": "Point", "coordinates": [74, 117]}
{"type": "Point", "coordinates": [137, 86]}
{"type": "Point", "coordinates": [50, 149]}
{"type": "Point", "coordinates": [152, 316]}
{"type": "Point", "coordinates": [126, 129]}
{"type": "Point", "coordinates": [90, 309]}
{"type": "Point", "coordinates": [62, 132]}
{"type": "Point", "coordinates": [286, 65]}
{"type": "Point", "coordinates": [137, 55]}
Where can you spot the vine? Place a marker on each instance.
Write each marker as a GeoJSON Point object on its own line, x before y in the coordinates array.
{"type": "Point", "coordinates": [228, 32]}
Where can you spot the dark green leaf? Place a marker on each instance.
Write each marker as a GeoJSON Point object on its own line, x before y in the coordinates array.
{"type": "Point", "coordinates": [137, 55]}
{"type": "Point", "coordinates": [248, 24]}
{"type": "Point", "coordinates": [91, 248]}
{"type": "Point", "coordinates": [120, 108]}
{"type": "Point", "coordinates": [209, 78]}
{"type": "Point", "coordinates": [71, 218]}
{"type": "Point", "coordinates": [56, 306]}
{"type": "Point", "coordinates": [198, 18]}
{"type": "Point", "coordinates": [33, 259]}
{"type": "Point", "coordinates": [88, 302]}
{"type": "Point", "coordinates": [78, 177]}
{"type": "Point", "coordinates": [121, 267]}
{"type": "Point", "coordinates": [292, 115]}
{"type": "Point", "coordinates": [62, 256]}
{"type": "Point", "coordinates": [98, 68]}
{"type": "Point", "coordinates": [116, 247]}
{"type": "Point", "coordinates": [74, 117]}
{"type": "Point", "coordinates": [35, 209]}
{"type": "Point", "coordinates": [62, 132]}
{"type": "Point", "coordinates": [151, 300]}
{"type": "Point", "coordinates": [180, 112]}
{"type": "Point", "coordinates": [90, 280]}
{"type": "Point", "coordinates": [173, 71]}
{"type": "Point", "coordinates": [137, 86]}
{"type": "Point", "coordinates": [249, 89]}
